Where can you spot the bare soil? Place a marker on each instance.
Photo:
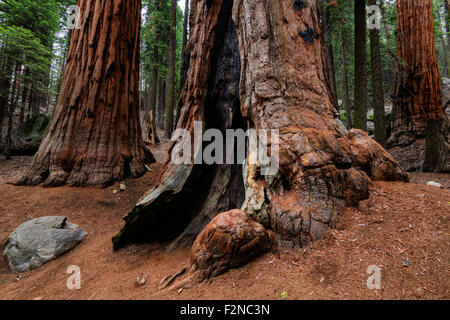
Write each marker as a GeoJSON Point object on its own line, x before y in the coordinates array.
{"type": "Point", "coordinates": [400, 224]}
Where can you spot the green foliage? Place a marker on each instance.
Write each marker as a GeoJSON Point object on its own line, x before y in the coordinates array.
{"type": "Point", "coordinates": [155, 32]}
{"type": "Point", "coordinates": [27, 34]}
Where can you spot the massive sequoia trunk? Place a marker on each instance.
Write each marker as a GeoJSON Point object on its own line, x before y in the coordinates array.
{"type": "Point", "coordinates": [262, 67]}
{"type": "Point", "coordinates": [94, 137]}
{"type": "Point", "coordinates": [418, 96]}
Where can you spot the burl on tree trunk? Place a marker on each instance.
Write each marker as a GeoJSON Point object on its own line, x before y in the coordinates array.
{"type": "Point", "coordinates": [417, 97]}
{"type": "Point", "coordinates": [94, 137]}
{"type": "Point", "coordinates": [260, 64]}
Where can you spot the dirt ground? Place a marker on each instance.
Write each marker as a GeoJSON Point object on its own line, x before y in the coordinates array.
{"type": "Point", "coordinates": [400, 224]}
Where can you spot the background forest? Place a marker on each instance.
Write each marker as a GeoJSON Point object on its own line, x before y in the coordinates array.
{"type": "Point", "coordinates": [34, 39]}
{"type": "Point", "coordinates": [92, 100]}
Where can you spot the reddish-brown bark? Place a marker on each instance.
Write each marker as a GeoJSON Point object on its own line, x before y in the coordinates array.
{"type": "Point", "coordinates": [418, 96]}
{"type": "Point", "coordinates": [94, 137]}
{"type": "Point", "coordinates": [283, 85]}
{"type": "Point", "coordinates": [418, 89]}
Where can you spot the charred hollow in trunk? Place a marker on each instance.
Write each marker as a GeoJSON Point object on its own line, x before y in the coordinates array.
{"type": "Point", "coordinates": [207, 189]}
{"type": "Point", "coordinates": [283, 86]}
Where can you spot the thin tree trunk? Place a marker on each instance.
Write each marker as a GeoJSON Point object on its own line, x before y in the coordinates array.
{"type": "Point", "coordinates": [63, 64]}
{"type": "Point", "coordinates": [327, 32]}
{"type": "Point", "coordinates": [250, 72]}
{"type": "Point", "coordinates": [12, 109]}
{"type": "Point", "coordinates": [171, 72]}
{"type": "Point", "coordinates": [34, 107]}
{"type": "Point", "coordinates": [153, 134]}
{"type": "Point", "coordinates": [94, 137]}
{"type": "Point", "coordinates": [25, 90]}
{"type": "Point", "coordinates": [447, 21]}
{"type": "Point", "coordinates": [5, 85]}
{"type": "Point", "coordinates": [360, 105]}
{"type": "Point", "coordinates": [390, 70]}
{"type": "Point", "coordinates": [437, 155]}
{"type": "Point", "coordinates": [184, 48]}
{"type": "Point", "coordinates": [377, 85]}
{"type": "Point", "coordinates": [443, 44]}
{"type": "Point", "coordinates": [185, 56]}
{"type": "Point", "coordinates": [345, 81]}
{"type": "Point", "coordinates": [164, 99]}
{"type": "Point", "coordinates": [161, 105]}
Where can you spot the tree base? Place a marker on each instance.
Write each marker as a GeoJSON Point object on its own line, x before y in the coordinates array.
{"type": "Point", "coordinates": [437, 147]}
{"type": "Point", "coordinates": [85, 173]}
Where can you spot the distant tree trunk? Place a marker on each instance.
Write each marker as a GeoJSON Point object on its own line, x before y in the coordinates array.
{"type": "Point", "coordinates": [161, 105]}
{"type": "Point", "coordinates": [12, 109]}
{"type": "Point", "coordinates": [249, 69]}
{"type": "Point", "coordinates": [377, 85]}
{"type": "Point", "coordinates": [185, 55]}
{"type": "Point", "coordinates": [152, 121]}
{"type": "Point", "coordinates": [171, 72]}
{"type": "Point", "coordinates": [326, 28]}
{"type": "Point", "coordinates": [63, 62]}
{"type": "Point", "coordinates": [443, 44]}
{"type": "Point", "coordinates": [437, 147]}
{"type": "Point", "coordinates": [94, 137]}
{"type": "Point", "coordinates": [447, 21]}
{"type": "Point", "coordinates": [418, 96]}
{"type": "Point", "coordinates": [34, 107]}
{"type": "Point", "coordinates": [25, 90]}
{"type": "Point", "coordinates": [390, 45]}
{"type": "Point", "coordinates": [164, 99]}
{"type": "Point", "coordinates": [5, 86]}
{"type": "Point", "coordinates": [360, 104]}
{"type": "Point", "coordinates": [345, 81]}
{"type": "Point", "coordinates": [184, 48]}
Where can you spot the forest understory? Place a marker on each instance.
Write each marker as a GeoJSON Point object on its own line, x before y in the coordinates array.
{"type": "Point", "coordinates": [401, 223]}
{"type": "Point", "coordinates": [224, 149]}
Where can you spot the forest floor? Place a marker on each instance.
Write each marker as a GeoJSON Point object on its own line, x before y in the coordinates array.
{"type": "Point", "coordinates": [399, 224]}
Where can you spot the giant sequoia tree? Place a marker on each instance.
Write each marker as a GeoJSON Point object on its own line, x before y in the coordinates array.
{"type": "Point", "coordinates": [418, 96]}
{"type": "Point", "coordinates": [94, 137]}
{"type": "Point", "coordinates": [360, 80]}
{"type": "Point", "coordinates": [261, 64]}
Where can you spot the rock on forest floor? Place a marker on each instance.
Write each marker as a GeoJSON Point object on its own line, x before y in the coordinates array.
{"type": "Point", "coordinates": [401, 224]}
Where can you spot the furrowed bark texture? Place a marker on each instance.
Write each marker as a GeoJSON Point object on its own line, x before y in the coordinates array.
{"type": "Point", "coordinates": [94, 137]}
{"type": "Point", "coordinates": [284, 85]}
{"type": "Point", "coordinates": [417, 96]}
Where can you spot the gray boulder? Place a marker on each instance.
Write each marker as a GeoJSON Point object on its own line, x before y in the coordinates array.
{"type": "Point", "coordinates": [39, 240]}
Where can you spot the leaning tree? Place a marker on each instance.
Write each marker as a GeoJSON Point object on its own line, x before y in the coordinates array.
{"type": "Point", "coordinates": [94, 137]}
{"type": "Point", "coordinates": [417, 98]}
{"type": "Point", "coordinates": [260, 64]}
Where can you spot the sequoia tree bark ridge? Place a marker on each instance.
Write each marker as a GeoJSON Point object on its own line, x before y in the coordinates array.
{"type": "Point", "coordinates": [417, 97]}
{"type": "Point", "coordinates": [94, 137]}
{"type": "Point", "coordinates": [283, 85]}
